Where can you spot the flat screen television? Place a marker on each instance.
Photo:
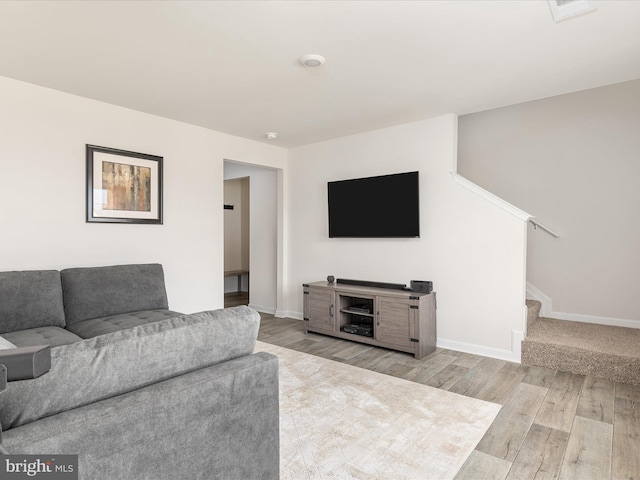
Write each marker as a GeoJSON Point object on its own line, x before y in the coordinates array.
{"type": "Point", "coordinates": [387, 206]}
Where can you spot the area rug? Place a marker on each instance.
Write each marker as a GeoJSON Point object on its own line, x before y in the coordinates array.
{"type": "Point", "coordinates": [338, 421]}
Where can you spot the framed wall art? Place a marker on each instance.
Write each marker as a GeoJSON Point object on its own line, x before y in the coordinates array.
{"type": "Point", "coordinates": [123, 187]}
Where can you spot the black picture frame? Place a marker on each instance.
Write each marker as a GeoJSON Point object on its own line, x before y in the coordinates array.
{"type": "Point", "coordinates": [123, 186]}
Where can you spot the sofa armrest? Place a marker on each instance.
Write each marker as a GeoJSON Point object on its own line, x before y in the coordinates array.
{"type": "Point", "coordinates": [24, 363]}
{"type": "Point", "coordinates": [108, 365]}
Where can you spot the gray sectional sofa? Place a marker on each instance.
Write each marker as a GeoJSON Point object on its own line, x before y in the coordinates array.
{"type": "Point", "coordinates": [136, 390]}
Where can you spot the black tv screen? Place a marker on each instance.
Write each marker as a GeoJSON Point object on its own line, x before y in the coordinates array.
{"type": "Point", "coordinates": [385, 206]}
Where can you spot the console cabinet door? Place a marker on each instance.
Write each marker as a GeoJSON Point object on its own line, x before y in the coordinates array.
{"type": "Point", "coordinates": [319, 309]}
{"type": "Point", "coordinates": [395, 322]}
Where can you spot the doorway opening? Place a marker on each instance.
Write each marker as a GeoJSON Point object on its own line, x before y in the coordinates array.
{"type": "Point", "coordinates": [252, 236]}
{"type": "Point", "coordinates": [236, 241]}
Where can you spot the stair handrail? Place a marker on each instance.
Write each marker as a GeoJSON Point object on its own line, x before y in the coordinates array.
{"type": "Point", "coordinates": [537, 224]}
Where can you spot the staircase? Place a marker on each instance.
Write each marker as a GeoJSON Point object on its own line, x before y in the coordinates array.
{"type": "Point", "coordinates": [583, 348]}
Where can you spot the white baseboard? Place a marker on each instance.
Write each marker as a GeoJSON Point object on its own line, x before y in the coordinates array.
{"type": "Point", "coordinates": [517, 337]}
{"type": "Point", "coordinates": [578, 317]}
{"type": "Point", "coordinates": [534, 293]}
{"type": "Point", "coordinates": [511, 356]}
{"type": "Point", "coordinates": [508, 355]}
{"type": "Point", "coordinates": [263, 309]}
{"type": "Point", "coordinates": [288, 314]}
{"type": "Point", "coordinates": [547, 311]}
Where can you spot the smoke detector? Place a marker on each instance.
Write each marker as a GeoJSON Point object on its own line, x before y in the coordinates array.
{"type": "Point", "coordinates": [271, 135]}
{"type": "Point", "coordinates": [563, 9]}
{"type": "Point", "coordinates": [312, 60]}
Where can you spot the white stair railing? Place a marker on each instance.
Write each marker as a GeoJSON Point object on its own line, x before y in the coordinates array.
{"type": "Point", "coordinates": [537, 224]}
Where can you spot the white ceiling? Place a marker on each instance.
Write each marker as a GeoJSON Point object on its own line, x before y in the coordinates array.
{"type": "Point", "coordinates": [232, 66]}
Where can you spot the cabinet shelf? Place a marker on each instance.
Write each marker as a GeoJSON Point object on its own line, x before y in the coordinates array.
{"type": "Point", "coordinates": [355, 312]}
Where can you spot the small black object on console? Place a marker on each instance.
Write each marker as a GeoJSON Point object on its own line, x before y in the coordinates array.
{"type": "Point", "coordinates": [421, 286]}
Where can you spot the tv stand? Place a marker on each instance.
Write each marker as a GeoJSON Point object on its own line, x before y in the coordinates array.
{"type": "Point", "coordinates": [383, 317]}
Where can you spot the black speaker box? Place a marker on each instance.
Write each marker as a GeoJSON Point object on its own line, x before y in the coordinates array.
{"type": "Point", "coordinates": [421, 286]}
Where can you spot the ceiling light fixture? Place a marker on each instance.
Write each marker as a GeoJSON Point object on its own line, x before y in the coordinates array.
{"type": "Point", "coordinates": [271, 135]}
{"type": "Point", "coordinates": [312, 60]}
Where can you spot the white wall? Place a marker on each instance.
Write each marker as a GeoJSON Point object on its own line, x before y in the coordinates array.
{"type": "Point", "coordinates": [263, 242]}
{"type": "Point", "coordinates": [572, 162]}
{"type": "Point", "coordinates": [473, 251]}
{"type": "Point", "coordinates": [42, 190]}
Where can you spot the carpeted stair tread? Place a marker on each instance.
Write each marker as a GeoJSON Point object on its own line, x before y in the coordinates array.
{"type": "Point", "coordinates": [589, 336]}
{"type": "Point", "coordinates": [584, 348]}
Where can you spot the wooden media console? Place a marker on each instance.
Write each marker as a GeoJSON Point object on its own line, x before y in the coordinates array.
{"type": "Point", "coordinates": [396, 319]}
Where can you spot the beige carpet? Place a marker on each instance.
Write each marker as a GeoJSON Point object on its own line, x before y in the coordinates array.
{"type": "Point", "coordinates": [343, 422]}
{"type": "Point", "coordinates": [584, 348]}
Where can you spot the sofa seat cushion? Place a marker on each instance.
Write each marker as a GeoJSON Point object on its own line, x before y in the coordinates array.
{"type": "Point", "coordinates": [114, 323]}
{"type": "Point", "coordinates": [54, 336]}
{"type": "Point", "coordinates": [108, 365]}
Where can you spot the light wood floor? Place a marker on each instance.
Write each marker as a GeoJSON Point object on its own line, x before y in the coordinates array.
{"type": "Point", "coordinates": [235, 299]}
{"type": "Point", "coordinates": [551, 425]}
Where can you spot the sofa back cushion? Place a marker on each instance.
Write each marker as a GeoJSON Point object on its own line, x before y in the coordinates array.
{"type": "Point", "coordinates": [102, 291]}
{"type": "Point", "coordinates": [30, 299]}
